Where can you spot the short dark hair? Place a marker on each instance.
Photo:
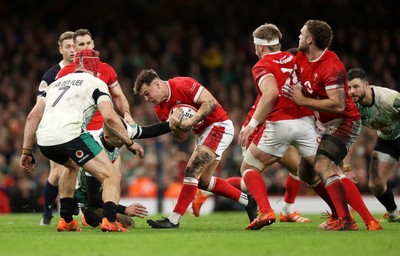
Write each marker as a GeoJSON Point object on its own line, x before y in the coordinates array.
{"type": "Point", "coordinates": [293, 50]}
{"type": "Point", "coordinates": [321, 33]}
{"type": "Point", "coordinates": [145, 77]}
{"type": "Point", "coordinates": [356, 73]}
{"type": "Point", "coordinates": [82, 32]}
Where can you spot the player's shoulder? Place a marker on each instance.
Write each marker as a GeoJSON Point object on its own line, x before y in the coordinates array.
{"type": "Point", "coordinates": [54, 68]}
{"type": "Point", "coordinates": [50, 75]}
{"type": "Point", "coordinates": [180, 82]}
{"type": "Point", "coordinates": [68, 69]}
{"type": "Point", "coordinates": [384, 93]}
{"type": "Point", "coordinates": [105, 66]}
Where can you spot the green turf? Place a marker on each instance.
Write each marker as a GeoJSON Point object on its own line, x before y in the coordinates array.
{"type": "Point", "coordinates": [220, 233]}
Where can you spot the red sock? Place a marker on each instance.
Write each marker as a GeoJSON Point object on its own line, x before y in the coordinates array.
{"type": "Point", "coordinates": [338, 195]}
{"type": "Point", "coordinates": [235, 181]}
{"type": "Point", "coordinates": [223, 188]}
{"type": "Point", "coordinates": [320, 189]}
{"type": "Point", "coordinates": [186, 196]}
{"type": "Point", "coordinates": [355, 200]}
{"type": "Point", "coordinates": [292, 187]}
{"type": "Point", "coordinates": [257, 188]}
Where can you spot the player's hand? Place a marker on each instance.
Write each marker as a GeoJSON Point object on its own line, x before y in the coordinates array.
{"type": "Point", "coordinates": [294, 93]}
{"type": "Point", "coordinates": [175, 119]}
{"type": "Point", "coordinates": [175, 123]}
{"type": "Point", "coordinates": [136, 149]}
{"type": "Point", "coordinates": [27, 163]}
{"type": "Point", "coordinates": [244, 135]}
{"type": "Point", "coordinates": [179, 133]}
{"type": "Point", "coordinates": [352, 176]}
{"type": "Point", "coordinates": [136, 210]}
{"type": "Point", "coordinates": [128, 118]}
{"type": "Point", "coordinates": [187, 124]}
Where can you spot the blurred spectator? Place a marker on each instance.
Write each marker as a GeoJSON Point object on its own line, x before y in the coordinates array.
{"type": "Point", "coordinates": [209, 42]}
{"type": "Point", "coordinates": [23, 197]}
{"type": "Point", "coordinates": [143, 185]}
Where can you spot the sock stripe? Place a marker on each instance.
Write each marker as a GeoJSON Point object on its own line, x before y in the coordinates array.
{"type": "Point", "coordinates": [190, 181]}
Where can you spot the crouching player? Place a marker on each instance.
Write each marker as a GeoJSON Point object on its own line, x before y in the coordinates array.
{"type": "Point", "coordinates": [89, 189]}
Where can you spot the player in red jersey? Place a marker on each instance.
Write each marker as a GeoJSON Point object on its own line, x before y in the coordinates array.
{"type": "Point", "coordinates": [283, 123]}
{"type": "Point", "coordinates": [83, 40]}
{"type": "Point", "coordinates": [213, 136]}
{"type": "Point", "coordinates": [324, 84]}
{"type": "Point", "coordinates": [290, 160]}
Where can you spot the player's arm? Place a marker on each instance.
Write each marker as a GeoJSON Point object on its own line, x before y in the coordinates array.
{"type": "Point", "coordinates": [94, 194]}
{"type": "Point", "coordinates": [346, 166]}
{"type": "Point", "coordinates": [113, 122]}
{"type": "Point", "coordinates": [151, 131]}
{"type": "Point", "coordinates": [335, 103]}
{"type": "Point", "coordinates": [42, 86]}
{"type": "Point", "coordinates": [269, 95]}
{"type": "Point", "coordinates": [135, 132]}
{"type": "Point", "coordinates": [121, 103]}
{"type": "Point", "coordinates": [207, 105]}
{"type": "Point", "coordinates": [31, 125]}
{"type": "Point", "coordinates": [347, 161]}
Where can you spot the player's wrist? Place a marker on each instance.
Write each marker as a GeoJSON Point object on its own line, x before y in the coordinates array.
{"type": "Point", "coordinates": [27, 151]}
{"type": "Point", "coordinates": [121, 209]}
{"type": "Point", "coordinates": [129, 143]}
{"type": "Point", "coordinates": [347, 168]}
{"type": "Point", "coordinates": [253, 122]}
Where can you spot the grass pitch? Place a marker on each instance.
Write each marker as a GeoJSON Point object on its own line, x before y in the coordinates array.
{"type": "Point", "coordinates": [220, 233]}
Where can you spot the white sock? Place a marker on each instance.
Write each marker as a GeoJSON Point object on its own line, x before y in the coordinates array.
{"type": "Point", "coordinates": [287, 208]}
{"type": "Point", "coordinates": [394, 214]}
{"type": "Point", "coordinates": [175, 218]}
{"type": "Point", "coordinates": [243, 199]}
{"type": "Point", "coordinates": [206, 193]}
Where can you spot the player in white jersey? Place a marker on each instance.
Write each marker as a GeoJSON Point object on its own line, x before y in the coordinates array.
{"type": "Point", "coordinates": [59, 119]}
{"type": "Point", "coordinates": [380, 110]}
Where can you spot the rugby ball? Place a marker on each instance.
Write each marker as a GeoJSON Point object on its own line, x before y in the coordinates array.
{"type": "Point", "coordinates": [188, 112]}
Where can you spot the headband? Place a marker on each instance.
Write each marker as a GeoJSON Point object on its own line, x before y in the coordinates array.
{"type": "Point", "coordinates": [266, 42]}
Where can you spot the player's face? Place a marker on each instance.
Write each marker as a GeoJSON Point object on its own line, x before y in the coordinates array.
{"type": "Point", "coordinates": [304, 38]}
{"type": "Point", "coordinates": [151, 93]}
{"type": "Point", "coordinates": [357, 89]}
{"type": "Point", "coordinates": [67, 50]}
{"type": "Point", "coordinates": [258, 49]}
{"type": "Point", "coordinates": [83, 43]}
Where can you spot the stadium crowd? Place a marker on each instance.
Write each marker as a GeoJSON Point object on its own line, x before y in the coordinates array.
{"type": "Point", "coordinates": [209, 42]}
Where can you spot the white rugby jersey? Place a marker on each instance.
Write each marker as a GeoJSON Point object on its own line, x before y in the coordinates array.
{"type": "Point", "coordinates": [134, 131]}
{"type": "Point", "coordinates": [383, 114]}
{"type": "Point", "coordinates": [71, 103]}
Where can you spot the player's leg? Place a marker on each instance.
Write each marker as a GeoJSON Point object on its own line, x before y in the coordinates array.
{"type": "Point", "coordinates": [291, 161]}
{"type": "Point", "coordinates": [103, 170]}
{"type": "Point", "coordinates": [355, 200]}
{"type": "Point", "coordinates": [201, 159]}
{"type": "Point", "coordinates": [381, 167]}
{"type": "Point", "coordinates": [50, 192]}
{"type": "Point", "coordinates": [329, 155]}
{"type": "Point", "coordinates": [67, 201]}
{"type": "Point", "coordinates": [255, 161]}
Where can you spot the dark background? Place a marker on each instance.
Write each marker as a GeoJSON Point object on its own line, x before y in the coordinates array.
{"type": "Point", "coordinates": [208, 40]}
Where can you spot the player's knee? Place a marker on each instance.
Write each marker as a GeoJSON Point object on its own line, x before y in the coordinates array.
{"type": "Point", "coordinates": [376, 187]}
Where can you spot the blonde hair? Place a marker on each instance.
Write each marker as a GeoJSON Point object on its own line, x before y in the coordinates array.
{"type": "Point", "coordinates": [269, 31]}
{"type": "Point", "coordinates": [64, 36]}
